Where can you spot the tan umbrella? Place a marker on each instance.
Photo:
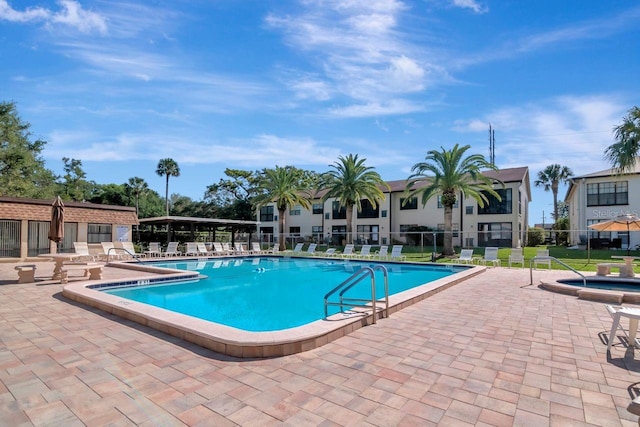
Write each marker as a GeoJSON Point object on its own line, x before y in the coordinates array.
{"type": "Point", "coordinates": [56, 229]}
{"type": "Point", "coordinates": [626, 223]}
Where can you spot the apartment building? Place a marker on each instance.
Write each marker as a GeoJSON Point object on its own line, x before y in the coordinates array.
{"type": "Point", "coordinates": [500, 223]}
{"type": "Point", "coordinates": [600, 196]}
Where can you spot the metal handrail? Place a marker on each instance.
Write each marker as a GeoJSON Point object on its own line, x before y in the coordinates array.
{"type": "Point", "coordinates": [547, 258]}
{"type": "Point", "coordinates": [133, 256]}
{"type": "Point", "coordinates": [353, 280]}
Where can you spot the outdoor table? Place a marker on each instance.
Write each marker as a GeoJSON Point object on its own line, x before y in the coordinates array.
{"type": "Point", "coordinates": [59, 259]}
{"type": "Point", "coordinates": [628, 264]}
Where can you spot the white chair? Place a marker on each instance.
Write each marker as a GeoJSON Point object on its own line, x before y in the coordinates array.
{"type": "Point", "coordinates": [82, 250]}
{"type": "Point", "coordinates": [618, 312]}
{"type": "Point", "coordinates": [129, 251]}
{"type": "Point", "coordinates": [396, 253]}
{"type": "Point", "coordinates": [331, 252]}
{"type": "Point", "coordinates": [172, 250]}
{"type": "Point", "coordinates": [154, 250]}
{"type": "Point", "coordinates": [192, 249]}
{"type": "Point", "coordinates": [256, 249]}
{"type": "Point", "coordinates": [348, 251]}
{"type": "Point", "coordinates": [542, 257]}
{"type": "Point", "coordinates": [297, 249]}
{"type": "Point", "coordinates": [219, 249]}
{"type": "Point", "coordinates": [311, 250]}
{"type": "Point", "coordinates": [491, 255]}
{"type": "Point", "coordinates": [466, 257]}
{"type": "Point", "coordinates": [365, 252]}
{"type": "Point", "coordinates": [238, 248]}
{"type": "Point", "coordinates": [383, 252]}
{"type": "Point", "coordinates": [201, 249]}
{"type": "Point", "coordinates": [516, 257]}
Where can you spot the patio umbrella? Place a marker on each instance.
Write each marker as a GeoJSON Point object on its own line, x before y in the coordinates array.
{"type": "Point", "coordinates": [56, 229]}
{"type": "Point", "coordinates": [626, 223]}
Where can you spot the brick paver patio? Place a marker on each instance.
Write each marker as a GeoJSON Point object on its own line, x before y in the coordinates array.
{"type": "Point", "coordinates": [489, 351]}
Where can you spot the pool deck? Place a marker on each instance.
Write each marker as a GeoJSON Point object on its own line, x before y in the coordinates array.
{"type": "Point", "coordinates": [491, 350]}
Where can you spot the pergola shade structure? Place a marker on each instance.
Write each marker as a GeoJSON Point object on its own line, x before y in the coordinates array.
{"type": "Point", "coordinates": [195, 224]}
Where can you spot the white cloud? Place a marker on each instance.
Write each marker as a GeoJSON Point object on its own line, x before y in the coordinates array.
{"type": "Point", "coordinates": [470, 4]}
{"type": "Point", "coordinates": [71, 14]}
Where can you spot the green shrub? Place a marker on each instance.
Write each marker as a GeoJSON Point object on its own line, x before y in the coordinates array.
{"type": "Point", "coordinates": [535, 236]}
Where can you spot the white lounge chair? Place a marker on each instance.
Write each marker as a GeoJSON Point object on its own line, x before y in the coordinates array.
{"type": "Point", "coordinates": [618, 312]}
{"type": "Point", "coordinates": [466, 257]}
{"type": "Point", "coordinates": [256, 249]}
{"type": "Point", "coordinates": [297, 249]}
{"type": "Point", "coordinates": [348, 251]}
{"type": "Point", "coordinates": [82, 250]}
{"type": "Point", "coordinates": [542, 258]}
{"type": "Point", "coordinates": [365, 252]}
{"type": "Point", "coordinates": [154, 250]}
{"type": "Point", "coordinates": [396, 253]}
{"type": "Point", "coordinates": [219, 249]}
{"type": "Point", "coordinates": [108, 252]}
{"type": "Point", "coordinates": [172, 250]}
{"type": "Point", "coordinates": [490, 255]}
{"type": "Point", "coordinates": [311, 250]}
{"type": "Point", "coordinates": [516, 257]}
{"type": "Point", "coordinates": [128, 250]}
{"type": "Point", "coordinates": [383, 252]}
{"type": "Point", "coordinates": [192, 249]}
{"type": "Point", "coordinates": [331, 252]}
{"type": "Point", "coordinates": [201, 249]}
{"type": "Point", "coordinates": [238, 248]}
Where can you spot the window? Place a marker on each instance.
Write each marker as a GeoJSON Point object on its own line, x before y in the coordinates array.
{"type": "Point", "coordinates": [495, 234]}
{"type": "Point", "coordinates": [495, 206]}
{"type": "Point", "coordinates": [367, 210]}
{"type": "Point", "coordinates": [339, 212]}
{"type": "Point", "coordinates": [294, 231]}
{"type": "Point", "coordinates": [10, 242]}
{"type": "Point", "coordinates": [454, 229]}
{"type": "Point", "coordinates": [38, 237]}
{"type": "Point", "coordinates": [368, 234]}
{"type": "Point", "coordinates": [469, 210]}
{"type": "Point", "coordinates": [266, 214]}
{"type": "Point", "coordinates": [440, 205]}
{"type": "Point", "coordinates": [317, 208]}
{"type": "Point", "coordinates": [595, 233]}
{"type": "Point", "coordinates": [608, 193]}
{"type": "Point", "coordinates": [412, 203]}
{"type": "Point", "coordinates": [383, 214]}
{"type": "Point", "coordinates": [316, 229]}
{"type": "Point", "coordinates": [295, 210]}
{"type": "Point", "coordinates": [97, 233]}
{"type": "Point", "coordinates": [266, 234]}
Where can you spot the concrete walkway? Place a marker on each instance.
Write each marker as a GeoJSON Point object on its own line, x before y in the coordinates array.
{"type": "Point", "coordinates": [489, 351]}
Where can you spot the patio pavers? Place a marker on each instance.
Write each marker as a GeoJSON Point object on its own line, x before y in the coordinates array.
{"type": "Point", "coordinates": [489, 351]}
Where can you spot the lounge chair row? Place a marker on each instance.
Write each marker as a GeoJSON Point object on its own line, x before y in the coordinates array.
{"type": "Point", "coordinates": [349, 252]}
{"type": "Point", "coordinates": [491, 256]}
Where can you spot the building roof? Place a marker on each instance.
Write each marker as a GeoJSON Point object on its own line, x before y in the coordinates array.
{"type": "Point", "coordinates": [601, 174]}
{"type": "Point", "coordinates": [17, 208]}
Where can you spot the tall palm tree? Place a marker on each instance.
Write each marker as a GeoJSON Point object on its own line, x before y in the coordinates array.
{"type": "Point", "coordinates": [286, 187]}
{"type": "Point", "coordinates": [137, 187]}
{"type": "Point", "coordinates": [623, 154]}
{"type": "Point", "coordinates": [350, 181]}
{"type": "Point", "coordinates": [446, 174]}
{"type": "Point", "coordinates": [550, 178]}
{"type": "Point", "coordinates": [167, 167]}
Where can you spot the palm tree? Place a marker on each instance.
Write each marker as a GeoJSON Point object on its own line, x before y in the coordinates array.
{"type": "Point", "coordinates": [286, 187]}
{"type": "Point", "coordinates": [550, 178]}
{"type": "Point", "coordinates": [624, 153]}
{"type": "Point", "coordinates": [167, 168]}
{"type": "Point", "coordinates": [350, 182]}
{"type": "Point", "coordinates": [137, 187]}
{"type": "Point", "coordinates": [448, 173]}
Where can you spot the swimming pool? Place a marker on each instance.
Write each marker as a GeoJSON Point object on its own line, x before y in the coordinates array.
{"type": "Point", "coordinates": [269, 294]}
{"type": "Point", "coordinates": [231, 340]}
{"type": "Point", "coordinates": [612, 284]}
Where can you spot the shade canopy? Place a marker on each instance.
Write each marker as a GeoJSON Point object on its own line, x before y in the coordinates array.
{"type": "Point", "coordinates": [56, 229]}
{"type": "Point", "coordinates": [623, 223]}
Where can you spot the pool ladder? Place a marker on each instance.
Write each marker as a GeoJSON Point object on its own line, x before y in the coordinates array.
{"type": "Point", "coordinates": [353, 280]}
{"type": "Point", "coordinates": [550, 258]}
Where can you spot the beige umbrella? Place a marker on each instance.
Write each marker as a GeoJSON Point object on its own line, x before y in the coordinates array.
{"type": "Point", "coordinates": [56, 229]}
{"type": "Point", "coordinates": [626, 223]}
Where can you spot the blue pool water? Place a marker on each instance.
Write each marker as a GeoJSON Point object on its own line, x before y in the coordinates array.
{"type": "Point", "coordinates": [267, 294]}
{"type": "Point", "coordinates": [609, 285]}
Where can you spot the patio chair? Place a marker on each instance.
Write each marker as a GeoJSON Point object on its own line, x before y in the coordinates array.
{"type": "Point", "coordinates": [297, 249]}
{"type": "Point", "coordinates": [172, 250]}
{"type": "Point", "coordinates": [202, 249]}
{"type": "Point", "coordinates": [466, 257]}
{"type": "Point", "coordinates": [516, 257]}
{"type": "Point", "coordinates": [365, 252]}
{"type": "Point", "coordinates": [618, 312]}
{"type": "Point", "coordinates": [348, 251]}
{"type": "Point", "coordinates": [256, 249]}
{"type": "Point", "coordinates": [331, 252]}
{"type": "Point", "coordinates": [542, 257]}
{"type": "Point", "coordinates": [382, 253]}
{"type": "Point", "coordinates": [154, 250]}
{"type": "Point", "coordinates": [219, 249]}
{"type": "Point", "coordinates": [396, 253]}
{"type": "Point", "coordinates": [490, 255]}
{"type": "Point", "coordinates": [82, 251]}
{"type": "Point", "coordinates": [192, 249]}
{"type": "Point", "coordinates": [311, 250]}
{"type": "Point", "coordinates": [238, 248]}
{"type": "Point", "coordinates": [128, 250]}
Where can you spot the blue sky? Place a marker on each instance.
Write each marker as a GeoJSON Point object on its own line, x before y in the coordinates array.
{"type": "Point", "coordinates": [249, 84]}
